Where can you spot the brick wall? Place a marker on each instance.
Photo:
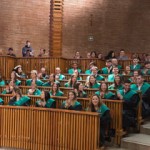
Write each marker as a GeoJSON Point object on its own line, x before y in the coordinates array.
{"type": "Point", "coordinates": [116, 24]}
{"type": "Point", "coordinates": [22, 20]}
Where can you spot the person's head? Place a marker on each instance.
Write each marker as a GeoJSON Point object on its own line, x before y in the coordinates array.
{"type": "Point", "coordinates": [92, 64]}
{"type": "Point", "coordinates": [136, 73]}
{"type": "Point", "coordinates": [72, 95]}
{"type": "Point", "coordinates": [95, 101]}
{"type": "Point", "coordinates": [122, 52]}
{"type": "Point", "coordinates": [127, 84]}
{"type": "Point", "coordinates": [135, 61]}
{"type": "Point", "coordinates": [45, 95]}
{"type": "Point", "coordinates": [28, 43]}
{"type": "Point", "coordinates": [17, 92]}
{"type": "Point", "coordinates": [57, 70]}
{"type": "Point", "coordinates": [55, 86]}
{"type": "Point", "coordinates": [147, 65]}
{"type": "Point", "coordinates": [79, 86]}
{"type": "Point", "coordinates": [92, 79]}
{"type": "Point", "coordinates": [88, 55]}
{"type": "Point", "coordinates": [94, 70]}
{"type": "Point", "coordinates": [115, 70]}
{"type": "Point", "coordinates": [117, 80]}
{"type": "Point", "coordinates": [77, 54]}
{"type": "Point", "coordinates": [103, 87]}
{"type": "Point", "coordinates": [10, 50]}
{"type": "Point", "coordinates": [127, 68]}
{"type": "Point", "coordinates": [93, 54]}
{"type": "Point", "coordinates": [52, 77]}
{"type": "Point", "coordinates": [140, 79]}
{"type": "Point", "coordinates": [111, 54]}
{"type": "Point", "coordinates": [108, 63]}
{"type": "Point", "coordinates": [43, 70]}
{"type": "Point", "coordinates": [114, 62]}
{"type": "Point", "coordinates": [33, 74]}
{"type": "Point", "coordinates": [74, 65]}
{"type": "Point", "coordinates": [73, 78]}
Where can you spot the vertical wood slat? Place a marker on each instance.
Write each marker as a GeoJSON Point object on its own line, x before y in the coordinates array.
{"type": "Point", "coordinates": [48, 129]}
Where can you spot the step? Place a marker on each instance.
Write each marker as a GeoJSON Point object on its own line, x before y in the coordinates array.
{"type": "Point", "coordinates": [136, 142]}
{"type": "Point", "coordinates": [145, 129]}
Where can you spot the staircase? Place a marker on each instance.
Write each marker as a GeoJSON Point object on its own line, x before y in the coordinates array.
{"type": "Point", "coordinates": [138, 141]}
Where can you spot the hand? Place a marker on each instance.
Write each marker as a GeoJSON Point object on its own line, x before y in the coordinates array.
{"type": "Point", "coordinates": [102, 94]}
{"type": "Point", "coordinates": [119, 96]}
{"type": "Point", "coordinates": [68, 103]}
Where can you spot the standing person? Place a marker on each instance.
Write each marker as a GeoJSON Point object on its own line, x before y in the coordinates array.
{"type": "Point", "coordinates": [27, 47]}
{"type": "Point", "coordinates": [77, 55]}
{"type": "Point", "coordinates": [71, 102]}
{"type": "Point", "coordinates": [122, 55]}
{"type": "Point", "coordinates": [110, 55]}
{"type": "Point", "coordinates": [96, 105]}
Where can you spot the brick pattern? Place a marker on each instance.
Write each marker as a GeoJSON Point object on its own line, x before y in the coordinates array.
{"type": "Point", "coordinates": [116, 24]}
{"type": "Point", "coordinates": [22, 20]}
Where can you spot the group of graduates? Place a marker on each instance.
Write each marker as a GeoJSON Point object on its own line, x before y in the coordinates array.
{"type": "Point", "coordinates": [127, 90]}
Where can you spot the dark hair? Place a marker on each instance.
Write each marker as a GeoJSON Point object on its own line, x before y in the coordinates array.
{"type": "Point", "coordinates": [47, 95]}
{"type": "Point", "coordinates": [147, 62]}
{"type": "Point", "coordinates": [70, 80]}
{"type": "Point", "coordinates": [103, 82]}
{"type": "Point", "coordinates": [90, 85]}
{"type": "Point", "coordinates": [121, 81]}
{"type": "Point", "coordinates": [10, 49]}
{"type": "Point", "coordinates": [27, 41]}
{"type": "Point", "coordinates": [109, 55]}
{"type": "Point", "coordinates": [53, 76]}
{"type": "Point", "coordinates": [17, 90]}
{"type": "Point", "coordinates": [94, 53]}
{"type": "Point", "coordinates": [57, 86]}
{"type": "Point", "coordinates": [127, 81]}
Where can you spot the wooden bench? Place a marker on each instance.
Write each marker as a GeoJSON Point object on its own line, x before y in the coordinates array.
{"type": "Point", "coordinates": [48, 129]}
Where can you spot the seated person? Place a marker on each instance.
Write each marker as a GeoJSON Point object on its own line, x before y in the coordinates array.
{"type": "Point", "coordinates": [89, 71]}
{"type": "Point", "coordinates": [135, 75]}
{"type": "Point", "coordinates": [79, 90]}
{"type": "Point", "coordinates": [55, 91]}
{"type": "Point", "coordinates": [127, 71]}
{"type": "Point", "coordinates": [96, 105]}
{"type": "Point", "coordinates": [117, 85]}
{"type": "Point", "coordinates": [122, 55]}
{"type": "Point", "coordinates": [115, 63]}
{"type": "Point", "coordinates": [18, 99]}
{"type": "Point", "coordinates": [92, 83]}
{"type": "Point", "coordinates": [130, 102]}
{"type": "Point", "coordinates": [146, 69]}
{"type": "Point", "coordinates": [14, 79]}
{"type": "Point", "coordinates": [42, 74]}
{"type": "Point", "coordinates": [51, 80]}
{"type": "Point", "coordinates": [74, 67]}
{"type": "Point", "coordinates": [34, 78]}
{"type": "Point", "coordinates": [104, 93]}
{"type": "Point", "coordinates": [2, 82]}
{"type": "Point", "coordinates": [9, 88]}
{"type": "Point", "coordinates": [46, 101]}
{"type": "Point", "coordinates": [58, 74]}
{"type": "Point", "coordinates": [144, 87]}
{"type": "Point", "coordinates": [111, 77]}
{"type": "Point", "coordinates": [10, 52]}
{"type": "Point", "coordinates": [1, 101]}
{"type": "Point", "coordinates": [108, 68]}
{"type": "Point", "coordinates": [34, 90]}
{"type": "Point", "coordinates": [77, 55]}
{"type": "Point", "coordinates": [135, 65]}
{"type": "Point", "coordinates": [71, 102]}
{"type": "Point", "coordinates": [19, 72]}
{"type": "Point", "coordinates": [95, 73]}
{"type": "Point", "coordinates": [77, 74]}
{"type": "Point", "coordinates": [71, 82]}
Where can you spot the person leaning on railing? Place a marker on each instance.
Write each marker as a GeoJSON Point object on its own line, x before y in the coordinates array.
{"type": "Point", "coordinates": [96, 105]}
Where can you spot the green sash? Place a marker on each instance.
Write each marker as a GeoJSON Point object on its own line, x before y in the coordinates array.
{"type": "Point", "coordinates": [137, 67]}
{"type": "Point", "coordinates": [75, 104]}
{"type": "Point", "coordinates": [58, 93]}
{"type": "Point", "coordinates": [2, 83]}
{"type": "Point", "coordinates": [89, 72]}
{"type": "Point", "coordinates": [106, 95]}
{"type": "Point", "coordinates": [22, 101]}
{"type": "Point", "coordinates": [38, 82]}
{"type": "Point", "coordinates": [1, 102]}
{"type": "Point", "coordinates": [96, 85]}
{"type": "Point", "coordinates": [37, 92]}
{"type": "Point", "coordinates": [103, 108]}
{"type": "Point", "coordinates": [71, 71]}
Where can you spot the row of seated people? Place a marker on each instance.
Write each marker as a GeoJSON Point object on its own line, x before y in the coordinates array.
{"type": "Point", "coordinates": [129, 97]}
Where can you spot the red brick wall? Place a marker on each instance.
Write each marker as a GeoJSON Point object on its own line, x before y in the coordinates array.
{"type": "Point", "coordinates": [116, 24]}
{"type": "Point", "coordinates": [22, 20]}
